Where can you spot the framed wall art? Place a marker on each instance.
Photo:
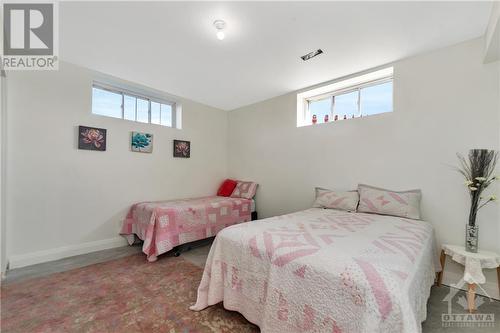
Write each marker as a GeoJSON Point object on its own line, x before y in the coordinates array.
{"type": "Point", "coordinates": [141, 142]}
{"type": "Point", "coordinates": [182, 148]}
{"type": "Point", "coordinates": [91, 138]}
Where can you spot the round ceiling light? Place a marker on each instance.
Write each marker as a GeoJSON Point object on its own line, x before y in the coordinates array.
{"type": "Point", "coordinates": [220, 25]}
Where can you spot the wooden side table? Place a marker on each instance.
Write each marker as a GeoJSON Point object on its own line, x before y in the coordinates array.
{"type": "Point", "coordinates": [473, 268]}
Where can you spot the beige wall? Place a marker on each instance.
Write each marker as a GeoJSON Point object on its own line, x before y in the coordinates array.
{"type": "Point", "coordinates": [61, 200]}
{"type": "Point", "coordinates": [446, 101]}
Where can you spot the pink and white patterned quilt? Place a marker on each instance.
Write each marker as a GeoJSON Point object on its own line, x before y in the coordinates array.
{"type": "Point", "coordinates": [323, 270]}
{"type": "Point", "coordinates": [163, 225]}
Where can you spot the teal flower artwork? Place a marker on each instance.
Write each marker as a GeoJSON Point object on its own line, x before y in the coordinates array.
{"type": "Point", "coordinates": [142, 142]}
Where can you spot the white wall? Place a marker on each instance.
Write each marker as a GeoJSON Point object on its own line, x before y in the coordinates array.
{"type": "Point", "coordinates": [61, 200]}
{"type": "Point", "coordinates": [492, 36]}
{"type": "Point", "coordinates": [446, 101]}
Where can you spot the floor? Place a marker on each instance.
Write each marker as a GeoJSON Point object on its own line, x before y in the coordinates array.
{"type": "Point", "coordinates": [197, 256]}
{"type": "Point", "coordinates": [39, 270]}
{"type": "Point", "coordinates": [127, 294]}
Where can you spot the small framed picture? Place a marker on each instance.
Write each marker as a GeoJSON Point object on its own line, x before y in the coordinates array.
{"type": "Point", "coordinates": [141, 142]}
{"type": "Point", "coordinates": [182, 148]}
{"type": "Point", "coordinates": [91, 138]}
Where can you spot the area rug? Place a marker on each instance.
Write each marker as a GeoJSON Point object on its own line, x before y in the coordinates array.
{"type": "Point", "coordinates": [124, 295]}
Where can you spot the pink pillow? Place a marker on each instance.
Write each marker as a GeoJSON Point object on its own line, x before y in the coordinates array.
{"type": "Point", "coordinates": [386, 202]}
{"type": "Point", "coordinates": [343, 200]}
{"type": "Point", "coordinates": [244, 190]}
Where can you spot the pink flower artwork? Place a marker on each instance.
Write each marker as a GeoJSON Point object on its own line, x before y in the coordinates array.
{"type": "Point", "coordinates": [182, 148]}
{"type": "Point", "coordinates": [90, 138]}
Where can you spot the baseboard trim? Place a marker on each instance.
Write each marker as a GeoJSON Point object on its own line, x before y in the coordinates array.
{"type": "Point", "coordinates": [39, 257]}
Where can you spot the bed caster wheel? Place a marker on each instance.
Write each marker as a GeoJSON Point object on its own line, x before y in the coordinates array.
{"type": "Point", "coordinates": [177, 253]}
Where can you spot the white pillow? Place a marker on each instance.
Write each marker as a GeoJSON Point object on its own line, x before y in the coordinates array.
{"type": "Point", "coordinates": [343, 200]}
{"type": "Point", "coordinates": [387, 202]}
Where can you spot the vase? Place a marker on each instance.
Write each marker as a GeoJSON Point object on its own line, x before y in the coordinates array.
{"type": "Point", "coordinates": [471, 238]}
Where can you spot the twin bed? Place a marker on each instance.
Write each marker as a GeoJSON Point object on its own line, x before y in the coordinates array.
{"type": "Point", "coordinates": [163, 225]}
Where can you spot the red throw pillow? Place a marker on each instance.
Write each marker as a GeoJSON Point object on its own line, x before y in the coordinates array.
{"type": "Point", "coordinates": [227, 188]}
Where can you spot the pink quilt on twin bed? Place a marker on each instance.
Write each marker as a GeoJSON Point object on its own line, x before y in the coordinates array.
{"type": "Point", "coordinates": [163, 225]}
{"type": "Point", "coordinates": [322, 270]}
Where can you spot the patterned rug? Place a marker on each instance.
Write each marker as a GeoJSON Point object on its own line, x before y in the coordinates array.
{"type": "Point", "coordinates": [124, 295]}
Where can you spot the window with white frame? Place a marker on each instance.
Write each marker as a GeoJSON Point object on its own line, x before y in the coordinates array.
{"type": "Point", "coordinates": [118, 103]}
{"type": "Point", "coordinates": [358, 96]}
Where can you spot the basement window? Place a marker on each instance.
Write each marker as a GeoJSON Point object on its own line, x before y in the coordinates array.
{"type": "Point", "coordinates": [360, 96]}
{"type": "Point", "coordinates": [123, 104]}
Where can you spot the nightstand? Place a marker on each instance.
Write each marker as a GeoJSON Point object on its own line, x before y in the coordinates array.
{"type": "Point", "coordinates": [473, 267]}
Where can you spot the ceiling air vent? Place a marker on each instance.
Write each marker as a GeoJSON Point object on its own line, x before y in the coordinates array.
{"type": "Point", "coordinates": [311, 54]}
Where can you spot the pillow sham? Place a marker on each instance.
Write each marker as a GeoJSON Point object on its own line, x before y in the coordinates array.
{"type": "Point", "coordinates": [244, 190]}
{"type": "Point", "coordinates": [343, 200]}
{"type": "Point", "coordinates": [227, 188]}
{"type": "Point", "coordinates": [386, 202]}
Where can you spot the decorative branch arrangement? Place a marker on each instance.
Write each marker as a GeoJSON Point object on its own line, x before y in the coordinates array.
{"type": "Point", "coordinates": [478, 170]}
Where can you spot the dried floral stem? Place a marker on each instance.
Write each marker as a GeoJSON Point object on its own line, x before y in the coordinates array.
{"type": "Point", "coordinates": [477, 169]}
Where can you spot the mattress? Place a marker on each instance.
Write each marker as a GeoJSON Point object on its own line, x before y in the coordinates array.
{"type": "Point", "coordinates": [322, 270]}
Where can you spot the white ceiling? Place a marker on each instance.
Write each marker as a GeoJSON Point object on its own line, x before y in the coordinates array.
{"type": "Point", "coordinates": [171, 46]}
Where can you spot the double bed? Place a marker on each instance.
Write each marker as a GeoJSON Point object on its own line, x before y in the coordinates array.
{"type": "Point", "coordinates": [323, 270]}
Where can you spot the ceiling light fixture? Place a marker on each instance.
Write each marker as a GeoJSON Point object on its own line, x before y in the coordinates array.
{"type": "Point", "coordinates": [311, 54]}
{"type": "Point", "coordinates": [220, 25]}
